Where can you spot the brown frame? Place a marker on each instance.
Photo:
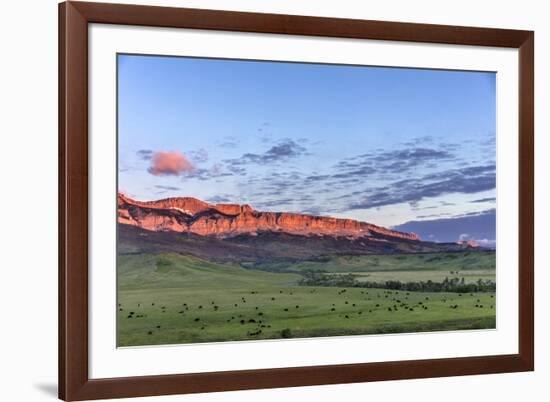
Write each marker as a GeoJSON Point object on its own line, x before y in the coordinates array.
{"type": "Point", "coordinates": [74, 383]}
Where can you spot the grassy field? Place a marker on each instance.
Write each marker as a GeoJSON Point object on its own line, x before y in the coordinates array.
{"type": "Point", "coordinates": [470, 276]}
{"type": "Point", "coordinates": [449, 262]}
{"type": "Point", "coordinates": [171, 298]}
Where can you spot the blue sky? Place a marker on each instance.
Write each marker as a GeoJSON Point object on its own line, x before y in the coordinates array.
{"type": "Point", "coordinates": [385, 145]}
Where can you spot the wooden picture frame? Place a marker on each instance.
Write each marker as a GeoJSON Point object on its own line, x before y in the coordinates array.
{"type": "Point", "coordinates": [74, 381]}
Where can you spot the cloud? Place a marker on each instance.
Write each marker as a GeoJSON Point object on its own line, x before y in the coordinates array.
{"type": "Point", "coordinates": [228, 142]}
{"type": "Point", "coordinates": [478, 226]}
{"type": "Point", "coordinates": [488, 199]}
{"type": "Point", "coordinates": [467, 180]}
{"type": "Point", "coordinates": [199, 156]}
{"type": "Point", "coordinates": [220, 199]}
{"type": "Point", "coordinates": [169, 163]}
{"type": "Point", "coordinates": [394, 162]}
{"type": "Point", "coordinates": [145, 154]}
{"type": "Point", "coordinates": [168, 188]}
{"type": "Point", "coordinates": [284, 150]}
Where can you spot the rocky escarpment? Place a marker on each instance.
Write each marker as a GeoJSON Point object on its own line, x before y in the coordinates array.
{"type": "Point", "coordinates": [190, 215]}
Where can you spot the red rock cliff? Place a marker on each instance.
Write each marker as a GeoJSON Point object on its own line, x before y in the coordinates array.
{"type": "Point", "coordinates": [186, 214]}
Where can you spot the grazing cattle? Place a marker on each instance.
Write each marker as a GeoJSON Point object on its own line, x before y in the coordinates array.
{"type": "Point", "coordinates": [197, 319]}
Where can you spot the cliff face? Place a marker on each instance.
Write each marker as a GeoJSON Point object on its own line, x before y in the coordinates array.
{"type": "Point", "coordinates": [190, 215]}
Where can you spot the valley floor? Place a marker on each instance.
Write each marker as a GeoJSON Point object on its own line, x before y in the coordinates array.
{"type": "Point", "coordinates": [172, 299]}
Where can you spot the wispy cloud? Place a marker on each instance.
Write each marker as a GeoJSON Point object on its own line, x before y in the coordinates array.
{"type": "Point", "coordinates": [283, 151]}
{"type": "Point", "coordinates": [488, 199]}
{"type": "Point", "coordinates": [145, 154]}
{"type": "Point", "coordinates": [198, 156]}
{"type": "Point", "coordinates": [168, 188]}
{"type": "Point", "coordinates": [467, 180]}
{"type": "Point", "coordinates": [228, 142]}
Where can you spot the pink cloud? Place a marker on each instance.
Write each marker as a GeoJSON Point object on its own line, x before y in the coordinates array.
{"type": "Point", "coordinates": [169, 163]}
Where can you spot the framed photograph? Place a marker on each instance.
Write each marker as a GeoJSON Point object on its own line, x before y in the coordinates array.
{"type": "Point", "coordinates": [260, 200]}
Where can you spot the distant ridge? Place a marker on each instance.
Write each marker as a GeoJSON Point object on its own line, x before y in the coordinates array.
{"type": "Point", "coordinates": [190, 215]}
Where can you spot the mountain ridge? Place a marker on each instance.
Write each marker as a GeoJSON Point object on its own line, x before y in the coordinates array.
{"type": "Point", "coordinates": [191, 215]}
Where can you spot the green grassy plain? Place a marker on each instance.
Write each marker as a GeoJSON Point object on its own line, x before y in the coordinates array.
{"type": "Point", "coordinates": [470, 276]}
{"type": "Point", "coordinates": [453, 261]}
{"type": "Point", "coordinates": [171, 298]}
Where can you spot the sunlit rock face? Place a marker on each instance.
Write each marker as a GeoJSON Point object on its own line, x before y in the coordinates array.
{"type": "Point", "coordinates": [190, 215]}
